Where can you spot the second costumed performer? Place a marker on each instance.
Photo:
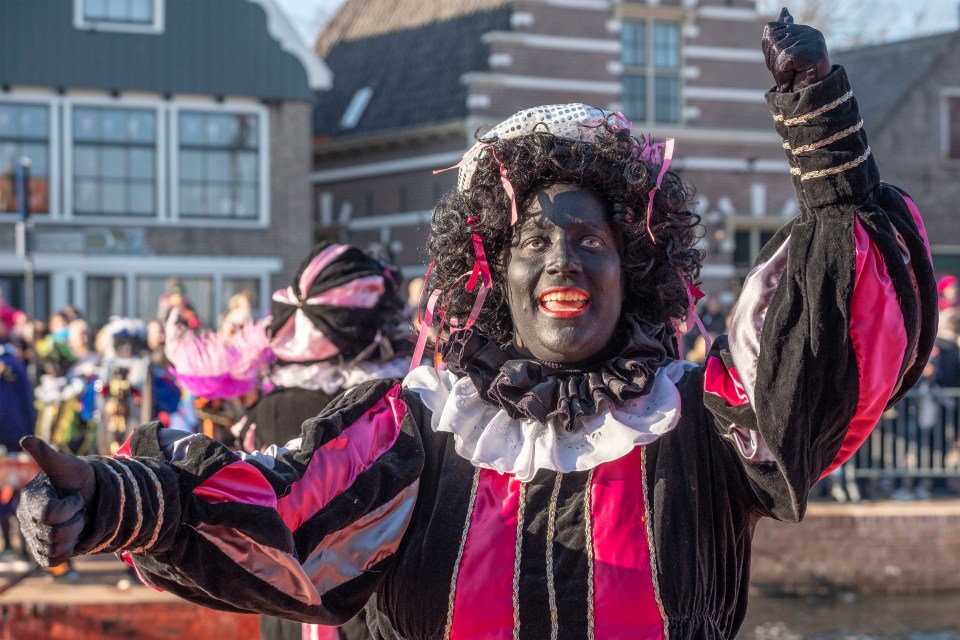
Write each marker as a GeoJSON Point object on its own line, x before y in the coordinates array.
{"type": "Point", "coordinates": [564, 476]}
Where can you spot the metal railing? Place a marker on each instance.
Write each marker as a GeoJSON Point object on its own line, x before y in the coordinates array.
{"type": "Point", "coordinates": [913, 453]}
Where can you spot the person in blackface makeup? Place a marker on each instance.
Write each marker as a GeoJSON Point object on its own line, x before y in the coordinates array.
{"type": "Point", "coordinates": [561, 474]}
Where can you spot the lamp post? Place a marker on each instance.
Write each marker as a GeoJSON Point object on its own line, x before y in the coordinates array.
{"type": "Point", "coordinates": [24, 231]}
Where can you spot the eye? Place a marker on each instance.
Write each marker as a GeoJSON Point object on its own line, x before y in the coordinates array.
{"type": "Point", "coordinates": [535, 243]}
{"type": "Point", "coordinates": [592, 242]}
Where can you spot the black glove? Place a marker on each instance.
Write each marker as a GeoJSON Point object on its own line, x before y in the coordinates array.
{"type": "Point", "coordinates": [52, 510]}
{"type": "Point", "coordinates": [796, 54]}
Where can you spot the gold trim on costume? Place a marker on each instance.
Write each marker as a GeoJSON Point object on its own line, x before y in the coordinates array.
{"type": "Point", "coordinates": [456, 565]}
{"type": "Point", "coordinates": [588, 530]}
{"type": "Point", "coordinates": [648, 517]}
{"type": "Point", "coordinates": [821, 173]}
{"type": "Point", "coordinates": [137, 499]}
{"type": "Point", "coordinates": [516, 563]}
{"type": "Point", "coordinates": [551, 532]}
{"type": "Point", "coordinates": [791, 122]}
{"type": "Point", "coordinates": [813, 146]}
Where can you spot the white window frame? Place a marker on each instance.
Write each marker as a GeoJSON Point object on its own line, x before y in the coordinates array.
{"type": "Point", "coordinates": [52, 102]}
{"type": "Point", "coordinates": [160, 180]}
{"type": "Point", "coordinates": [154, 27]}
{"type": "Point", "coordinates": [946, 94]}
{"type": "Point", "coordinates": [263, 126]}
{"type": "Point", "coordinates": [651, 72]}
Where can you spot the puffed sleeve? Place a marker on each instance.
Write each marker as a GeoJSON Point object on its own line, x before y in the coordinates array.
{"type": "Point", "coordinates": [836, 319]}
{"type": "Point", "coordinates": [304, 532]}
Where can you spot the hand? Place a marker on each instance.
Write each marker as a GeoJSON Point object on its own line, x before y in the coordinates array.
{"type": "Point", "coordinates": [52, 509]}
{"type": "Point", "coordinates": [796, 54]}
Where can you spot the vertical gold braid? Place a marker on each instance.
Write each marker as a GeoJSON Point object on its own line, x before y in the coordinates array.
{"type": "Point", "coordinates": [551, 531]}
{"type": "Point", "coordinates": [648, 517]}
{"type": "Point", "coordinates": [588, 526]}
{"type": "Point", "coordinates": [161, 507]}
{"type": "Point", "coordinates": [137, 500]}
{"type": "Point", "coordinates": [516, 563]}
{"type": "Point", "coordinates": [456, 565]}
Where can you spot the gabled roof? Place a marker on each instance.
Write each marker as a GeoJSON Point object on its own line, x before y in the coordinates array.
{"type": "Point", "coordinates": [411, 53]}
{"type": "Point", "coordinates": [882, 75]}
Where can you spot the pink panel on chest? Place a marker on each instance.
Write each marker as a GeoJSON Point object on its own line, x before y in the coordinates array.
{"type": "Point", "coordinates": [483, 607]}
{"type": "Point", "coordinates": [625, 604]}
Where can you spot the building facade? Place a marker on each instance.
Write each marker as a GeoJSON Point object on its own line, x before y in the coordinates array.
{"type": "Point", "coordinates": [413, 86]}
{"type": "Point", "coordinates": [165, 138]}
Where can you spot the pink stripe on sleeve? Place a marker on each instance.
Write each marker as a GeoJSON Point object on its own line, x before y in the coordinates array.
{"type": "Point", "coordinates": [625, 603]}
{"type": "Point", "coordinates": [483, 603]}
{"type": "Point", "coordinates": [237, 482]}
{"type": "Point", "coordinates": [724, 382]}
{"type": "Point", "coordinates": [879, 342]}
{"type": "Point", "coordinates": [337, 463]}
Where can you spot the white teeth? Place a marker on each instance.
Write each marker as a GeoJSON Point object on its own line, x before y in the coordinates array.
{"type": "Point", "coordinates": [562, 296]}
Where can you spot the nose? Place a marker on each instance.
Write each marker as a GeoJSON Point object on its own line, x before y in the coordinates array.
{"type": "Point", "coordinates": [563, 259]}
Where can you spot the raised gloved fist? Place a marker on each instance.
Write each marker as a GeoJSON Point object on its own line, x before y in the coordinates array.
{"type": "Point", "coordinates": [52, 510]}
{"type": "Point", "coordinates": [796, 54]}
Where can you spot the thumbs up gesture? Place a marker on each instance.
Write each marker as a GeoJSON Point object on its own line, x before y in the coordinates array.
{"type": "Point", "coordinates": [796, 54]}
{"type": "Point", "coordinates": [52, 510]}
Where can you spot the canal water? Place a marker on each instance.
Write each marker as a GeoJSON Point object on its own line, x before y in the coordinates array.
{"type": "Point", "coordinates": [853, 617]}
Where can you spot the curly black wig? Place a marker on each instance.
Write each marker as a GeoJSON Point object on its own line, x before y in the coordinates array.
{"type": "Point", "coordinates": [656, 269]}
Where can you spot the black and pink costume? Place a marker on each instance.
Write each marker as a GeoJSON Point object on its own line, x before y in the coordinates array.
{"type": "Point", "coordinates": [508, 498]}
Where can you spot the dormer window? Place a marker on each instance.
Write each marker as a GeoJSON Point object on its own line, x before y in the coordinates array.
{"type": "Point", "coordinates": [358, 104]}
{"type": "Point", "coordinates": [137, 16]}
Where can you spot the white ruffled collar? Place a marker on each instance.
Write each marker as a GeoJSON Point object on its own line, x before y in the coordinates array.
{"type": "Point", "coordinates": [489, 438]}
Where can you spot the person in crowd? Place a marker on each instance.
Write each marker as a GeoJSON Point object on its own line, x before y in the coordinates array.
{"type": "Point", "coordinates": [949, 292]}
{"type": "Point", "coordinates": [331, 329]}
{"type": "Point", "coordinates": [560, 473]}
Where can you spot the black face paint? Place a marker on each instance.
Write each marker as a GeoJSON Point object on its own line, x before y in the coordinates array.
{"type": "Point", "coordinates": [564, 277]}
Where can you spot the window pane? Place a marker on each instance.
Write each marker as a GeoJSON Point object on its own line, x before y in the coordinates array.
{"type": "Point", "coordinates": [633, 44]}
{"type": "Point", "coordinates": [666, 45]}
{"type": "Point", "coordinates": [86, 196]}
{"type": "Point", "coordinates": [246, 167]}
{"type": "Point", "coordinates": [191, 128]}
{"type": "Point", "coordinates": [94, 9]}
{"type": "Point", "coordinates": [114, 162]}
{"type": "Point", "coordinates": [191, 165]}
{"type": "Point", "coordinates": [220, 201]}
{"type": "Point", "coordinates": [635, 97]}
{"type": "Point", "coordinates": [141, 163]}
{"type": "Point", "coordinates": [141, 126]}
{"type": "Point", "coordinates": [86, 161]}
{"type": "Point", "coordinates": [249, 129]}
{"type": "Point", "coordinates": [217, 164]}
{"type": "Point", "coordinates": [38, 159]}
{"type": "Point", "coordinates": [191, 200]}
{"type": "Point", "coordinates": [113, 124]}
{"type": "Point", "coordinates": [105, 297]}
{"type": "Point", "coordinates": [114, 198]}
{"type": "Point", "coordinates": [246, 202]}
{"type": "Point", "coordinates": [223, 131]}
{"type": "Point", "coordinates": [141, 10]}
{"type": "Point", "coordinates": [86, 124]}
{"type": "Point", "coordinates": [667, 99]}
{"type": "Point", "coordinates": [9, 122]}
{"type": "Point", "coordinates": [142, 198]}
{"type": "Point", "coordinates": [33, 121]}
{"type": "Point", "coordinates": [741, 249]}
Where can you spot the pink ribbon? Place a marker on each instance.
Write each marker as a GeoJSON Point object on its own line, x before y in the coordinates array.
{"type": "Point", "coordinates": [649, 151]}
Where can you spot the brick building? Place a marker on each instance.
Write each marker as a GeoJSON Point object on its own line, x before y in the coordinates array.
{"type": "Point", "coordinates": [909, 94]}
{"type": "Point", "coordinates": [167, 138]}
{"type": "Point", "coordinates": [416, 78]}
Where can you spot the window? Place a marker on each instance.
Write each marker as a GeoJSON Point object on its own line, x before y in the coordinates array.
{"type": "Point", "coordinates": [219, 165]}
{"type": "Point", "coordinates": [198, 292]}
{"type": "Point", "coordinates": [747, 245]}
{"type": "Point", "coordinates": [650, 54]}
{"type": "Point", "coordinates": [114, 161]}
{"type": "Point", "coordinates": [24, 132]}
{"type": "Point", "coordinates": [140, 16]}
{"type": "Point", "coordinates": [105, 297]}
{"type": "Point", "coordinates": [953, 127]}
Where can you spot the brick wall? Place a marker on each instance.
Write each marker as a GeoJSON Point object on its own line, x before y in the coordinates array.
{"type": "Point", "coordinates": [884, 547]}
